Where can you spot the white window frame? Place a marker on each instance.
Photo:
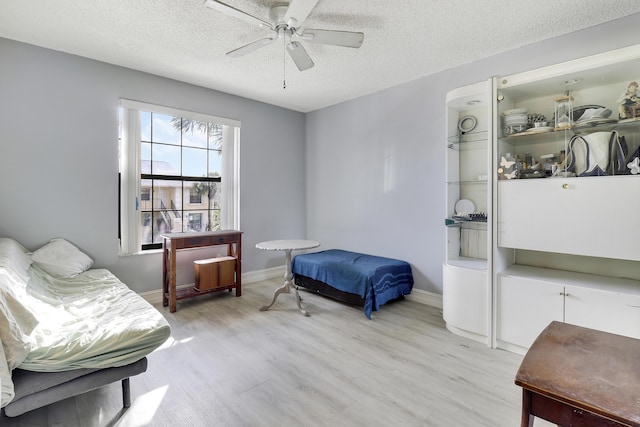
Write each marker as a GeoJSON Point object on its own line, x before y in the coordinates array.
{"type": "Point", "coordinates": [129, 169]}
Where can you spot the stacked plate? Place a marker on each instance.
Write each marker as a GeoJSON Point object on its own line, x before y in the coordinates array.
{"type": "Point", "coordinates": [515, 120]}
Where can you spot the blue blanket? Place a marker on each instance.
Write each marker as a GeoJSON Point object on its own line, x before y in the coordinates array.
{"type": "Point", "coordinates": [376, 279]}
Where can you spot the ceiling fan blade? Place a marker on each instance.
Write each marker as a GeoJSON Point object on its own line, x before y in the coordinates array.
{"type": "Point", "coordinates": [251, 47]}
{"type": "Point", "coordinates": [298, 11]}
{"type": "Point", "coordinates": [335, 38]}
{"type": "Point", "coordinates": [236, 13]}
{"type": "Point", "coordinates": [300, 56]}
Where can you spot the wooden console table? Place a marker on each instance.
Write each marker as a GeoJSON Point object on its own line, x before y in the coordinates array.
{"type": "Point", "coordinates": [574, 376]}
{"type": "Point", "coordinates": [177, 241]}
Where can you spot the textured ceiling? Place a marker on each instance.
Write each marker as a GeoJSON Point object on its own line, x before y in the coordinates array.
{"type": "Point", "coordinates": [404, 39]}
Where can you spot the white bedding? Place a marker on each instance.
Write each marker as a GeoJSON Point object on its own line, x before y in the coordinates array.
{"type": "Point", "coordinates": [91, 320]}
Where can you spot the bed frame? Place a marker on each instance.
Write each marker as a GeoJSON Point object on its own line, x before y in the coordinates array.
{"type": "Point", "coordinates": [323, 289]}
{"type": "Point", "coordinates": [37, 389]}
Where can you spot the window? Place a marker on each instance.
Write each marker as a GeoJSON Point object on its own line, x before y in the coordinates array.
{"type": "Point", "coordinates": [195, 197]}
{"type": "Point", "coordinates": [178, 171]}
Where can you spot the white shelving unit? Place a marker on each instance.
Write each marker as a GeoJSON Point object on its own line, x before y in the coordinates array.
{"type": "Point", "coordinates": [563, 249]}
{"type": "Point", "coordinates": [554, 248]}
{"type": "Point", "coordinates": [466, 270]}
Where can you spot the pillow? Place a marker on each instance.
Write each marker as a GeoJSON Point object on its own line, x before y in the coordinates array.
{"type": "Point", "coordinates": [16, 323]}
{"type": "Point", "coordinates": [61, 258]}
{"type": "Point", "coordinates": [14, 258]}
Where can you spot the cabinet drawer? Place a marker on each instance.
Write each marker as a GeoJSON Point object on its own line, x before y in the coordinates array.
{"type": "Point", "coordinates": [581, 216]}
{"type": "Point", "coordinates": [224, 239]}
{"type": "Point", "coordinates": [193, 242]}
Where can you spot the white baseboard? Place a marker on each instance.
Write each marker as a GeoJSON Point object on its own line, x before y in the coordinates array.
{"type": "Point", "coordinates": [425, 297]}
{"type": "Point", "coordinates": [155, 297]}
{"type": "Point", "coordinates": [259, 275]}
{"type": "Point", "coordinates": [417, 295]}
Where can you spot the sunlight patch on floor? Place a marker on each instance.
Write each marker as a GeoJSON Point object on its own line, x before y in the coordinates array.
{"type": "Point", "coordinates": [171, 342]}
{"type": "Point", "coordinates": [143, 408]}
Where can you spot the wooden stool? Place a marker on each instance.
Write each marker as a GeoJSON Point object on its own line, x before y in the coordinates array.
{"type": "Point", "coordinates": [574, 376]}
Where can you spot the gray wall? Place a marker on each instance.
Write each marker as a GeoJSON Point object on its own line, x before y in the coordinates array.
{"type": "Point", "coordinates": [58, 157]}
{"type": "Point", "coordinates": [375, 165]}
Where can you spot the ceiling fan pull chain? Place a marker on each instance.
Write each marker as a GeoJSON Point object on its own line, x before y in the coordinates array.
{"type": "Point", "coordinates": [284, 63]}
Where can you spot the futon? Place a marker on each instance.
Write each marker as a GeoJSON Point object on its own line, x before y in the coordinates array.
{"type": "Point", "coordinates": [354, 277]}
{"type": "Point", "coordinates": [80, 327]}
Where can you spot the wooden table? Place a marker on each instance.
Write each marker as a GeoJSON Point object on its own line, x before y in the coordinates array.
{"type": "Point", "coordinates": [171, 243]}
{"type": "Point", "coordinates": [574, 376]}
{"type": "Point", "coordinates": [287, 246]}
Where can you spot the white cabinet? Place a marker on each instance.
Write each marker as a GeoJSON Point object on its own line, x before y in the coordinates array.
{"type": "Point", "coordinates": [529, 298]}
{"type": "Point", "coordinates": [465, 302]}
{"type": "Point", "coordinates": [466, 270]}
{"type": "Point", "coordinates": [581, 216]}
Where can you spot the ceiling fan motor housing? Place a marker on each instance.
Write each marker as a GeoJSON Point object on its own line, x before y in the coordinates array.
{"type": "Point", "coordinates": [276, 14]}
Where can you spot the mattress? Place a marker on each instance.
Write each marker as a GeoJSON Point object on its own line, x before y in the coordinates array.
{"type": "Point", "coordinates": [92, 320]}
{"type": "Point", "coordinates": [376, 279]}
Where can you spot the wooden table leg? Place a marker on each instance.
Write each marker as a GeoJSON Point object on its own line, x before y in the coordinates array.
{"type": "Point", "coordinates": [527, 418]}
{"type": "Point", "coordinates": [235, 250]}
{"type": "Point", "coordinates": [165, 274]}
{"type": "Point", "coordinates": [172, 279]}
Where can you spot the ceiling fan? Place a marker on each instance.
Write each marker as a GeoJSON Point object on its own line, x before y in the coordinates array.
{"type": "Point", "coordinates": [287, 23]}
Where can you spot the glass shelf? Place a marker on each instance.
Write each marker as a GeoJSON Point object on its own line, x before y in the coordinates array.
{"type": "Point", "coordinates": [474, 182]}
{"type": "Point", "coordinates": [454, 141]}
{"type": "Point", "coordinates": [632, 126]}
{"type": "Point", "coordinates": [573, 176]}
{"type": "Point", "coordinates": [459, 223]}
{"type": "Point", "coordinates": [529, 138]}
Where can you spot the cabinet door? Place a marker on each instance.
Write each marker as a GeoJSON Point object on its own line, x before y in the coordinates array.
{"type": "Point", "coordinates": [603, 310]}
{"type": "Point", "coordinates": [464, 299]}
{"type": "Point", "coordinates": [525, 307]}
{"type": "Point", "coordinates": [580, 216]}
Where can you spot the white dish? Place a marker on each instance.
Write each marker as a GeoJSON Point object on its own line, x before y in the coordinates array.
{"type": "Point", "coordinates": [464, 207]}
{"type": "Point", "coordinates": [515, 118]}
{"type": "Point", "coordinates": [515, 111]}
{"type": "Point", "coordinates": [540, 129]}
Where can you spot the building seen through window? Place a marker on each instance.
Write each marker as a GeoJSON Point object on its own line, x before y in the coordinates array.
{"type": "Point", "coordinates": [180, 168]}
{"type": "Point", "coordinates": [172, 170]}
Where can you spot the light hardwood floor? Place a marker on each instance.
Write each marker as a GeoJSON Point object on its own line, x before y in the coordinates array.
{"type": "Point", "coordinates": [229, 364]}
